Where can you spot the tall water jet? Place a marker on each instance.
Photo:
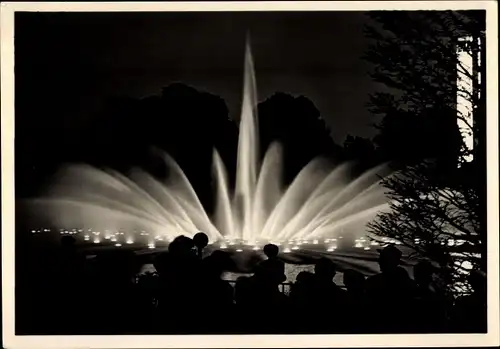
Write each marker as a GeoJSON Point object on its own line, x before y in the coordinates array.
{"type": "Point", "coordinates": [248, 150]}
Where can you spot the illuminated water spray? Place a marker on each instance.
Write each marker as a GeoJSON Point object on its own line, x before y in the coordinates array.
{"type": "Point", "coordinates": [321, 204]}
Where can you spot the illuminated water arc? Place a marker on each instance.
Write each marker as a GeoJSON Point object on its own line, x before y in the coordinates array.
{"type": "Point", "coordinates": [224, 210]}
{"type": "Point", "coordinates": [296, 194]}
{"type": "Point", "coordinates": [325, 230]}
{"type": "Point", "coordinates": [269, 186]}
{"type": "Point", "coordinates": [357, 184]}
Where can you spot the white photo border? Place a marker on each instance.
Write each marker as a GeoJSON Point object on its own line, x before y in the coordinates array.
{"type": "Point", "coordinates": [10, 340]}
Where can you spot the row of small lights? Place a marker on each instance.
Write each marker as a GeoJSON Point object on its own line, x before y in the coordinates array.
{"type": "Point", "coordinates": [332, 242]}
{"type": "Point", "coordinates": [96, 235]}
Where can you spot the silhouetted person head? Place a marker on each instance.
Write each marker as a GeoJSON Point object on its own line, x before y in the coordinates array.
{"type": "Point", "coordinates": [389, 258]}
{"type": "Point", "coordinates": [200, 240]}
{"type": "Point", "coordinates": [477, 280]}
{"type": "Point", "coordinates": [325, 269]}
{"type": "Point", "coordinates": [271, 250]}
{"type": "Point", "coordinates": [423, 272]}
{"type": "Point", "coordinates": [353, 280]}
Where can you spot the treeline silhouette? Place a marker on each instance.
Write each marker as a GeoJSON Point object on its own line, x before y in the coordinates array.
{"type": "Point", "coordinates": [63, 292]}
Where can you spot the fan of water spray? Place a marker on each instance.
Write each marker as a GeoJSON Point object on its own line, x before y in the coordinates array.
{"type": "Point", "coordinates": [321, 203]}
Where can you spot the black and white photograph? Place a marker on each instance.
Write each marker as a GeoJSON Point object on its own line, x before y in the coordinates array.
{"type": "Point", "coordinates": [229, 172]}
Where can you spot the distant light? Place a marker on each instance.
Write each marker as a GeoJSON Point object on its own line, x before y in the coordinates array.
{"type": "Point", "coordinates": [256, 248]}
{"type": "Point", "coordinates": [367, 248]}
{"type": "Point", "coordinates": [96, 241]}
{"type": "Point", "coordinates": [231, 243]}
{"type": "Point", "coordinates": [33, 231]}
{"type": "Point", "coordinates": [223, 246]}
{"type": "Point", "coordinates": [151, 245]}
{"type": "Point", "coordinates": [239, 250]}
{"type": "Point", "coordinates": [467, 265]}
{"type": "Point", "coordinates": [295, 247]}
{"type": "Point", "coordinates": [107, 237]}
{"type": "Point", "coordinates": [331, 249]}
{"type": "Point", "coordinates": [86, 237]}
{"type": "Point", "coordinates": [358, 245]}
{"type": "Point", "coordinates": [130, 241]}
{"type": "Point", "coordinates": [287, 250]}
{"type": "Point", "coordinates": [315, 242]}
{"type": "Point", "coordinates": [118, 245]}
{"type": "Point", "coordinates": [113, 238]}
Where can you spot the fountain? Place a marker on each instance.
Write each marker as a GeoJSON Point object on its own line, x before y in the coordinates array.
{"type": "Point", "coordinates": [321, 204]}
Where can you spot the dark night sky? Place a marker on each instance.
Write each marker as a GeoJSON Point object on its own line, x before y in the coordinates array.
{"type": "Point", "coordinates": [67, 63]}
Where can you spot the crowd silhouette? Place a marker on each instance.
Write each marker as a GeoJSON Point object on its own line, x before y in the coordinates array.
{"type": "Point", "coordinates": [72, 294]}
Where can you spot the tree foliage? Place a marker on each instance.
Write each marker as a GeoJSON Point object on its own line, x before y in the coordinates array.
{"type": "Point", "coordinates": [437, 217]}
{"type": "Point", "coordinates": [414, 55]}
{"type": "Point", "coordinates": [436, 196]}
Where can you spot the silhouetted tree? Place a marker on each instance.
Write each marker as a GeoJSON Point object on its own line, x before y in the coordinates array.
{"type": "Point", "coordinates": [298, 125]}
{"type": "Point", "coordinates": [438, 193]}
{"type": "Point", "coordinates": [414, 54]}
{"type": "Point", "coordinates": [437, 217]}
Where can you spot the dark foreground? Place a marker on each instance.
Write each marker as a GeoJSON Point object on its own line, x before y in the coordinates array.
{"type": "Point", "coordinates": [62, 291]}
